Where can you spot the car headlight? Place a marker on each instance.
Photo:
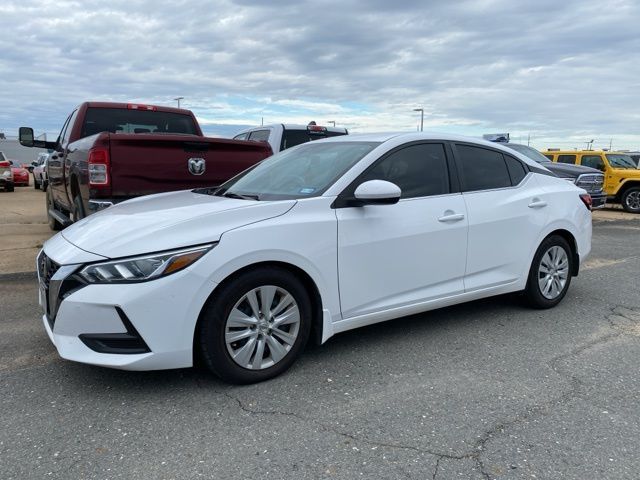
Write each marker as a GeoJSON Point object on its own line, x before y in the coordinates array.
{"type": "Point", "coordinates": [143, 268]}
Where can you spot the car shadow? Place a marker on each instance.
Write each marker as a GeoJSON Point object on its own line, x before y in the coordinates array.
{"type": "Point", "coordinates": [370, 338]}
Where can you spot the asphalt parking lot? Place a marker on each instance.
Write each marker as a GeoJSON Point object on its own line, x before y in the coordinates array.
{"type": "Point", "coordinates": [489, 389]}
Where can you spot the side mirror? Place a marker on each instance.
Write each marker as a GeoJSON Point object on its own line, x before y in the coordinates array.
{"type": "Point", "coordinates": [377, 192]}
{"type": "Point", "coordinates": [26, 136]}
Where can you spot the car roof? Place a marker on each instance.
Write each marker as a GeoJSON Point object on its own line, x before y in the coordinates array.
{"type": "Point", "coordinates": [399, 138]}
{"type": "Point", "coordinates": [289, 126]}
{"type": "Point", "coordinates": [595, 152]}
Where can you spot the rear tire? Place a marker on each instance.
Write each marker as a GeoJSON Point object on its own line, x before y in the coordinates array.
{"type": "Point", "coordinates": [44, 185]}
{"type": "Point", "coordinates": [272, 344]}
{"type": "Point", "coordinates": [9, 187]}
{"type": "Point", "coordinates": [36, 185]}
{"type": "Point", "coordinates": [53, 223]}
{"type": "Point", "coordinates": [631, 200]}
{"type": "Point", "coordinates": [550, 273]}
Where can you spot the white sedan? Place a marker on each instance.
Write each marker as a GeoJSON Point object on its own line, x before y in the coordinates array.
{"type": "Point", "coordinates": [319, 239]}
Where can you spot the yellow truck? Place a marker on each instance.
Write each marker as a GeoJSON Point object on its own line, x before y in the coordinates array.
{"type": "Point", "coordinates": [621, 175]}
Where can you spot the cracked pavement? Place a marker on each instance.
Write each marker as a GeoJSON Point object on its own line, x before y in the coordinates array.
{"type": "Point", "coordinates": [485, 390]}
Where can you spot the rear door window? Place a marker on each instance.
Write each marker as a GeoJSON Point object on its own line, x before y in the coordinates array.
{"type": "Point", "coordinates": [517, 170]}
{"type": "Point", "coordinates": [567, 159]}
{"type": "Point", "coordinates": [593, 161]}
{"type": "Point", "coordinates": [482, 169]}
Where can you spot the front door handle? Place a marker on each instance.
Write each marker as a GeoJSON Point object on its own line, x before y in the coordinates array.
{"type": "Point", "coordinates": [537, 203]}
{"type": "Point", "coordinates": [451, 217]}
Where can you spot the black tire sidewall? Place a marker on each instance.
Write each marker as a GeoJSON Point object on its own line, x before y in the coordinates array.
{"type": "Point", "coordinates": [533, 294]}
{"type": "Point", "coordinates": [211, 331]}
{"type": "Point", "coordinates": [53, 223]}
{"type": "Point", "coordinates": [624, 200]}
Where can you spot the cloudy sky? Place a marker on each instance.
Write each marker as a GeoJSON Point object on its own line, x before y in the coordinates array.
{"type": "Point", "coordinates": [564, 72]}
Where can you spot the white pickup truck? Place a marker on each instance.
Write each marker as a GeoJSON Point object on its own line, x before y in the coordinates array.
{"type": "Point", "coordinates": [282, 136]}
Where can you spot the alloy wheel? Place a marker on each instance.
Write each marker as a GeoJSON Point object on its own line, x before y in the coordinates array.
{"type": "Point", "coordinates": [633, 200]}
{"type": "Point", "coordinates": [262, 327]}
{"type": "Point", "coordinates": [553, 272]}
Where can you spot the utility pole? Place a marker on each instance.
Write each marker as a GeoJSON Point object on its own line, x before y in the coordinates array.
{"type": "Point", "coordinates": [421, 110]}
{"type": "Point", "coordinates": [610, 144]}
{"type": "Point", "coordinates": [178, 100]}
{"type": "Point", "coordinates": [528, 140]}
{"type": "Point", "coordinates": [332, 121]}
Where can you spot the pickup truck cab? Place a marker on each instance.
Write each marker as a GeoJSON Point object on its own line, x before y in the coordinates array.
{"type": "Point", "coordinates": [282, 136]}
{"type": "Point", "coordinates": [622, 177]}
{"type": "Point", "coordinates": [110, 152]}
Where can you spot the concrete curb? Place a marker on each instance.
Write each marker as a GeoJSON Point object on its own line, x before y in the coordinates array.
{"type": "Point", "coordinates": [18, 276]}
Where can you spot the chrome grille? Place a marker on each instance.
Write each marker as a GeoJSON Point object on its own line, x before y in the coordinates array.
{"type": "Point", "coordinates": [47, 269]}
{"type": "Point", "coordinates": [592, 183]}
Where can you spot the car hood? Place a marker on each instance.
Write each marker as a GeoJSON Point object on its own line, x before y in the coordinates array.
{"type": "Point", "coordinates": [568, 170]}
{"type": "Point", "coordinates": [165, 221]}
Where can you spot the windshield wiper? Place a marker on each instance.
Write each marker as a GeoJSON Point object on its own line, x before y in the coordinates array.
{"type": "Point", "coordinates": [241, 197]}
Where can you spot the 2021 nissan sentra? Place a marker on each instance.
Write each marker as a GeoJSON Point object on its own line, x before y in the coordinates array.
{"type": "Point", "coordinates": [321, 238]}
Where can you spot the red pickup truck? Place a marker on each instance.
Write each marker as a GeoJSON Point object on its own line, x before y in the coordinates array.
{"type": "Point", "coordinates": [110, 152]}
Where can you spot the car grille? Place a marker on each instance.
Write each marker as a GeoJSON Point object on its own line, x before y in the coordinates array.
{"type": "Point", "coordinates": [592, 183]}
{"type": "Point", "coordinates": [47, 269]}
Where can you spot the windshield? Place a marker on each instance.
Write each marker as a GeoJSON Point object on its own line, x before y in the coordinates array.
{"type": "Point", "coordinates": [301, 172]}
{"type": "Point", "coordinates": [530, 152]}
{"type": "Point", "coordinates": [620, 161]}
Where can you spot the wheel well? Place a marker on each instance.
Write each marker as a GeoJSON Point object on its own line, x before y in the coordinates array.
{"type": "Point", "coordinates": [574, 248]}
{"type": "Point", "coordinates": [307, 281]}
{"type": "Point", "coordinates": [626, 187]}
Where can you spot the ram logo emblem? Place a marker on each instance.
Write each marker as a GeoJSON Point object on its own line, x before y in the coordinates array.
{"type": "Point", "coordinates": [197, 166]}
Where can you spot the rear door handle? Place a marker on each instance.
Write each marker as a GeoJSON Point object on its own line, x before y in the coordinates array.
{"type": "Point", "coordinates": [537, 203]}
{"type": "Point", "coordinates": [453, 217]}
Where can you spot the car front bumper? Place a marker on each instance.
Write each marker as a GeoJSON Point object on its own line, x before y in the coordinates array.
{"type": "Point", "coordinates": [136, 326]}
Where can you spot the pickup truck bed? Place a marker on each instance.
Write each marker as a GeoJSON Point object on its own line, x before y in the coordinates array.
{"type": "Point", "coordinates": [109, 152]}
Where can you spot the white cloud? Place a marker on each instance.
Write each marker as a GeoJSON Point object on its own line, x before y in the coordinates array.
{"type": "Point", "coordinates": [560, 70]}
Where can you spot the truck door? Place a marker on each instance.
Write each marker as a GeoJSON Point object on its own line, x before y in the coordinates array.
{"type": "Point", "coordinates": [56, 165]}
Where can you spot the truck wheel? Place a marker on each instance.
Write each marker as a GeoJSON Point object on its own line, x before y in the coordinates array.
{"type": "Point", "coordinates": [78, 209]}
{"type": "Point", "coordinates": [36, 185]}
{"type": "Point", "coordinates": [631, 200]}
{"type": "Point", "coordinates": [8, 187]}
{"type": "Point", "coordinates": [53, 223]}
{"type": "Point", "coordinates": [43, 185]}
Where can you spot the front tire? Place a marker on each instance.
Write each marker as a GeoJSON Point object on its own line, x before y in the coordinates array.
{"type": "Point", "coordinates": [255, 326]}
{"type": "Point", "coordinates": [631, 200]}
{"type": "Point", "coordinates": [550, 273]}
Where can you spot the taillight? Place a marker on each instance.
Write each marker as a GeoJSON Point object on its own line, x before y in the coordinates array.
{"type": "Point", "coordinates": [99, 167]}
{"type": "Point", "coordinates": [137, 106]}
{"type": "Point", "coordinates": [586, 199]}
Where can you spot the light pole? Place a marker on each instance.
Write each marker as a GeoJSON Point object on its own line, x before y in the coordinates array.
{"type": "Point", "coordinates": [178, 100]}
{"type": "Point", "coordinates": [332, 121]}
{"type": "Point", "coordinates": [421, 110]}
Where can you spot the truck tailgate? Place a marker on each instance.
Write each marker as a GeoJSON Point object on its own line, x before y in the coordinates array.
{"type": "Point", "coordinates": [142, 164]}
